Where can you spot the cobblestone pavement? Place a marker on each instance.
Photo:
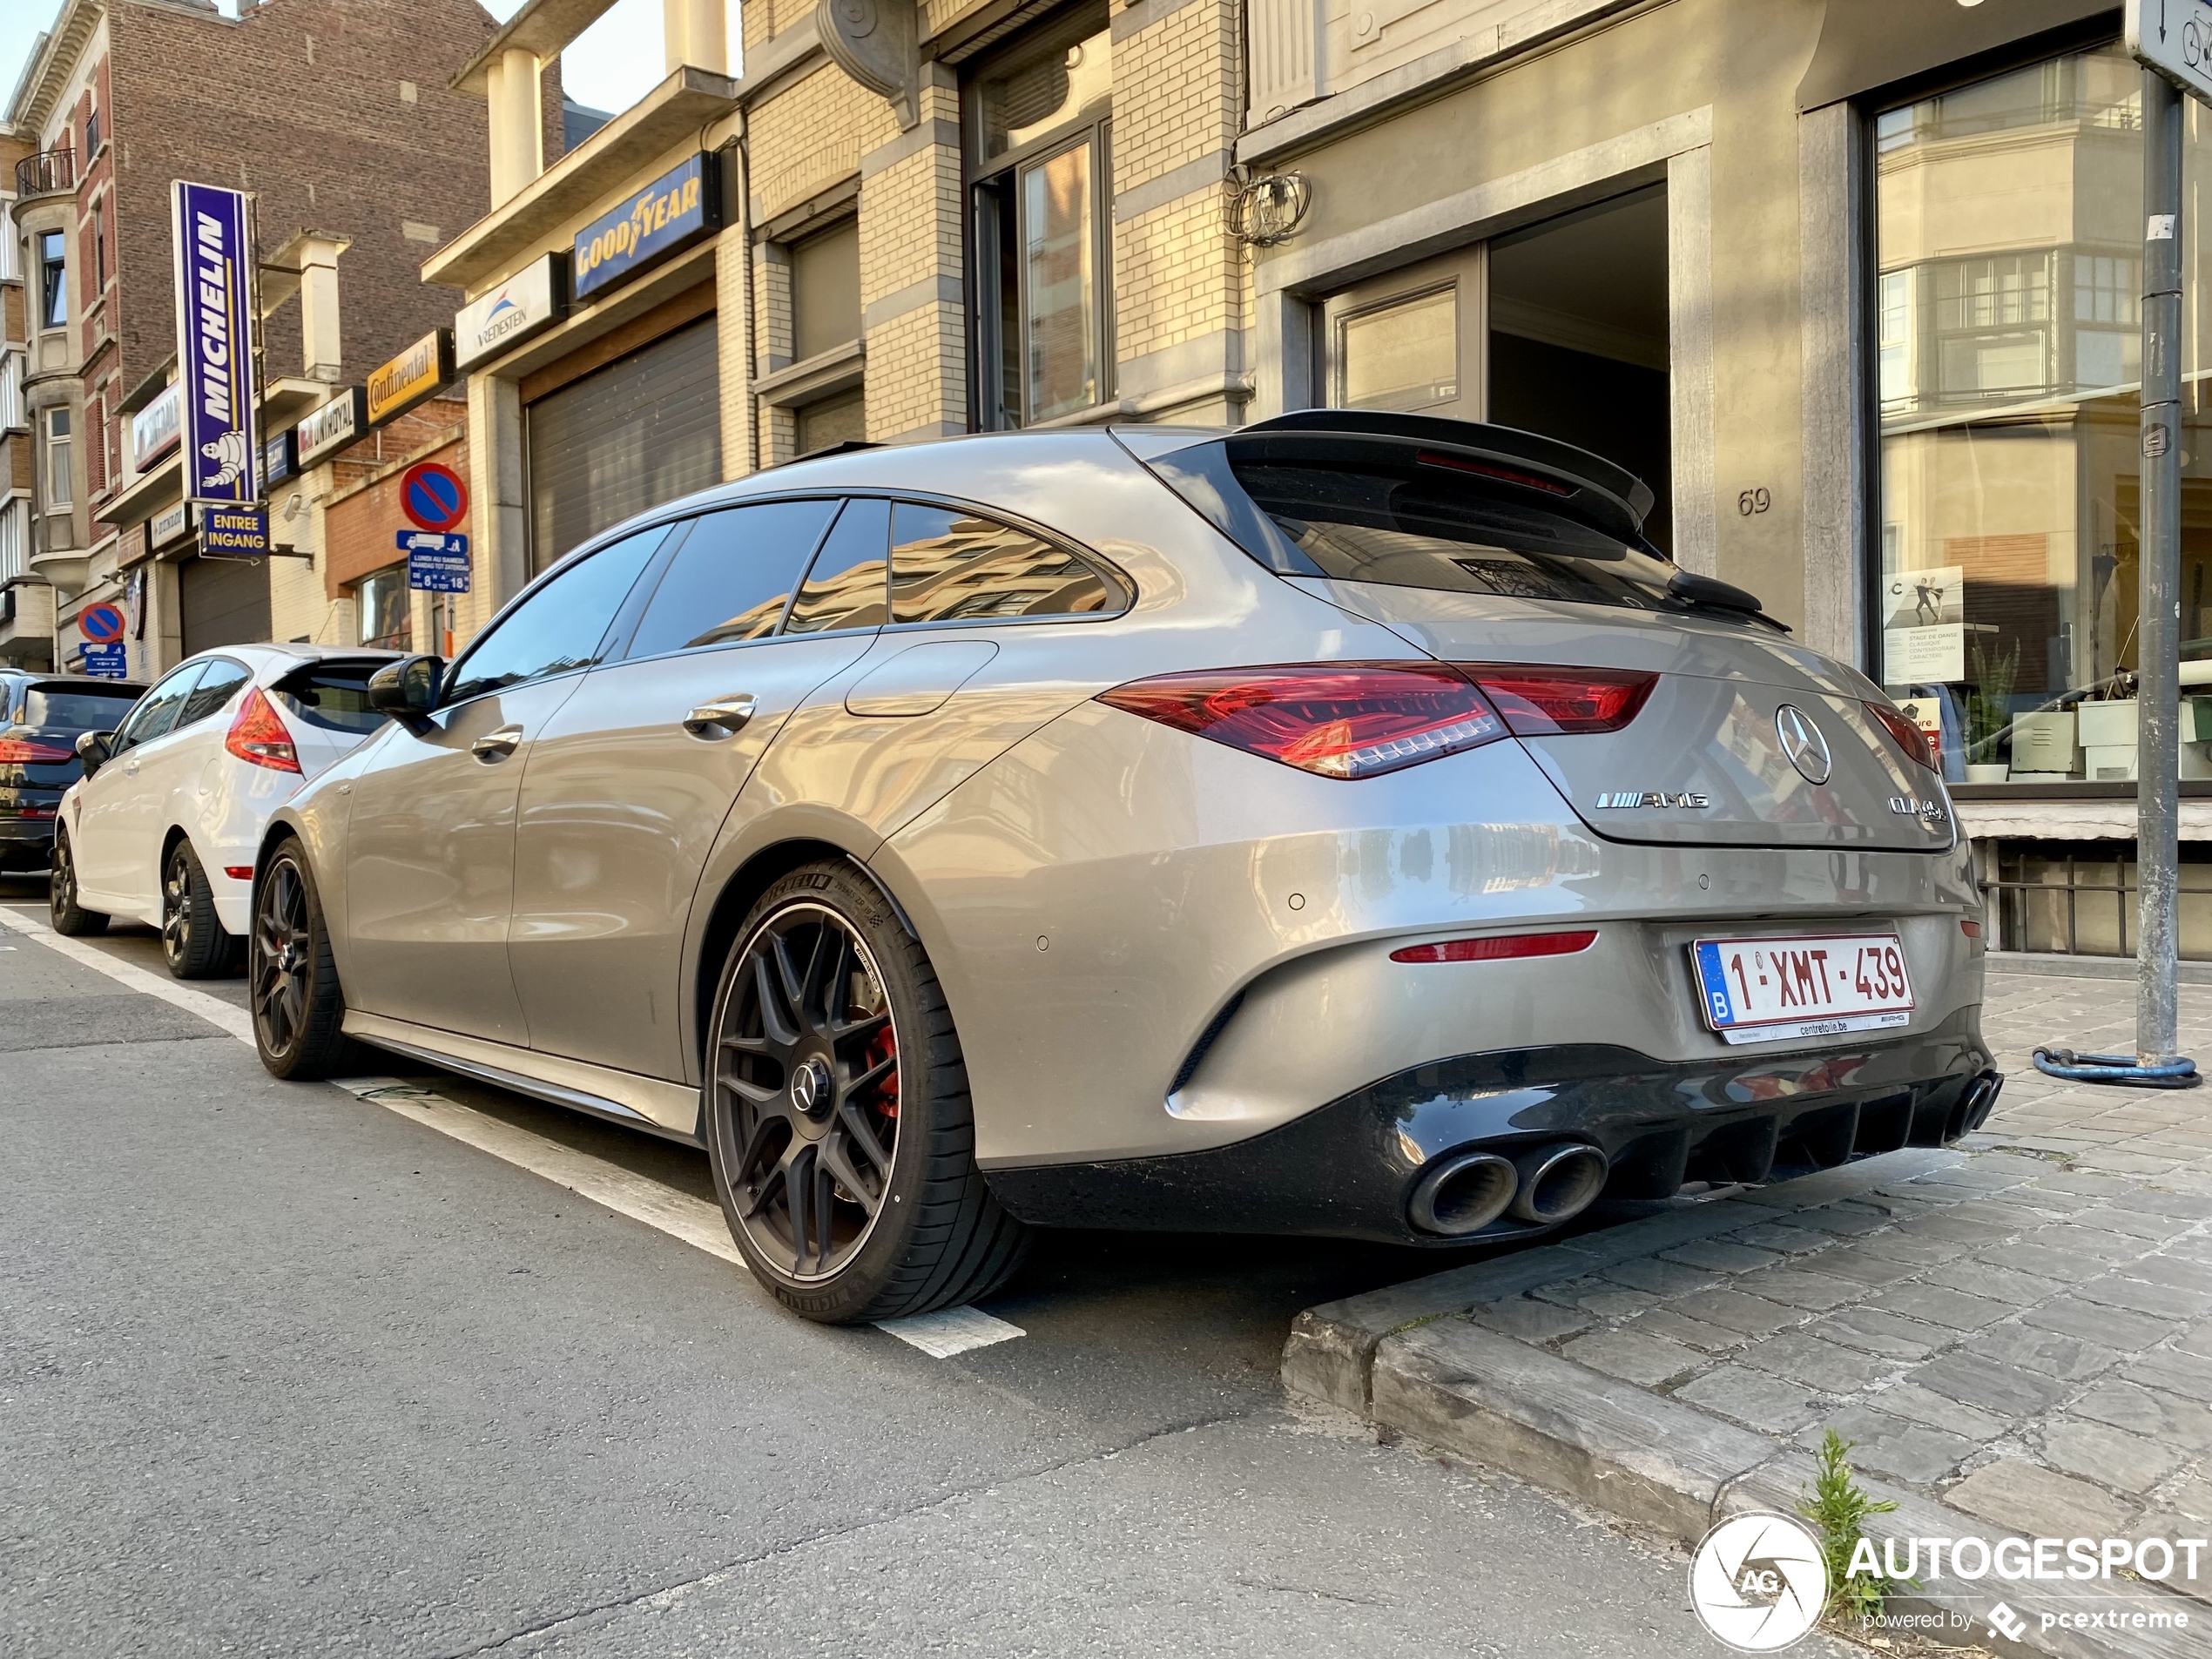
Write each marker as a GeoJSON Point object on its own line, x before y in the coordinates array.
{"type": "Point", "coordinates": [2025, 1334]}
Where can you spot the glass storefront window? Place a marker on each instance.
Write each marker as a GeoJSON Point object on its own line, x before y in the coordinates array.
{"type": "Point", "coordinates": [383, 607]}
{"type": "Point", "coordinates": [2007, 343]}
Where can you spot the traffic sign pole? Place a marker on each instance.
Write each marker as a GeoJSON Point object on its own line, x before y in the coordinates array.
{"type": "Point", "coordinates": [2158, 681]}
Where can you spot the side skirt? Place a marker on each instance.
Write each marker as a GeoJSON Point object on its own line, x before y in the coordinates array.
{"type": "Point", "coordinates": [647, 1103]}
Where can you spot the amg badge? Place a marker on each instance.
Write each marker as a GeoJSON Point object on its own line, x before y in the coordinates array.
{"type": "Point", "coordinates": [1650, 798]}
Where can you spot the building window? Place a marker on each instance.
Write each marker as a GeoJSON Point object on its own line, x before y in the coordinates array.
{"type": "Point", "coordinates": [99, 246]}
{"type": "Point", "coordinates": [60, 490]}
{"type": "Point", "coordinates": [54, 279]}
{"type": "Point", "coordinates": [92, 134]}
{"type": "Point", "coordinates": [1041, 195]}
{"type": "Point", "coordinates": [2011, 482]}
{"type": "Point", "coordinates": [826, 291]}
{"type": "Point", "coordinates": [11, 539]}
{"type": "Point", "coordinates": [384, 610]}
{"type": "Point", "coordinates": [10, 389]}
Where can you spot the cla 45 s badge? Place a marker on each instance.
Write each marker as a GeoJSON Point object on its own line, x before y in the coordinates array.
{"type": "Point", "coordinates": [1913, 806]}
{"type": "Point", "coordinates": [1650, 798]}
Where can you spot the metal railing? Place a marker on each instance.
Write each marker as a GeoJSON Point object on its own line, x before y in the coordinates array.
{"type": "Point", "coordinates": [46, 171]}
{"type": "Point", "coordinates": [2012, 902]}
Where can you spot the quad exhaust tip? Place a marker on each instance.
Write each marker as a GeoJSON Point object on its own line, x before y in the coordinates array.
{"type": "Point", "coordinates": [1465, 1193]}
{"type": "Point", "coordinates": [1558, 1183]}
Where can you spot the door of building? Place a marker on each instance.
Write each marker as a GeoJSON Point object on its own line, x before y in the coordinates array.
{"type": "Point", "coordinates": [1560, 327]}
{"type": "Point", "coordinates": [223, 602]}
{"type": "Point", "coordinates": [644, 429]}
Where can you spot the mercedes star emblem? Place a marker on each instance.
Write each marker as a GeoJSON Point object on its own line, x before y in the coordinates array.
{"type": "Point", "coordinates": [1802, 742]}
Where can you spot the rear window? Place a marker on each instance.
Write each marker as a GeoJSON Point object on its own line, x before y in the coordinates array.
{"type": "Point", "coordinates": [76, 710]}
{"type": "Point", "coordinates": [333, 696]}
{"type": "Point", "coordinates": [1394, 519]}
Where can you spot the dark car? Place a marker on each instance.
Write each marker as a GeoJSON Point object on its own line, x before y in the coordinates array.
{"type": "Point", "coordinates": [41, 717]}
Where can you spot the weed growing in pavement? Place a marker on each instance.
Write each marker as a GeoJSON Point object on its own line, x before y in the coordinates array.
{"type": "Point", "coordinates": [1839, 1506]}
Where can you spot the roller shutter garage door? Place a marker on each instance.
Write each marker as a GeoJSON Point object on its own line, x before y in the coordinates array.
{"type": "Point", "coordinates": [223, 602]}
{"type": "Point", "coordinates": [644, 429]}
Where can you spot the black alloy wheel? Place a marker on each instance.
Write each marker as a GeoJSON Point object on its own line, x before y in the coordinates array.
{"type": "Point", "coordinates": [837, 1114]}
{"type": "Point", "coordinates": [194, 942]}
{"type": "Point", "coordinates": [291, 979]}
{"type": "Point", "coordinates": [71, 919]}
{"type": "Point", "coordinates": [810, 1066]}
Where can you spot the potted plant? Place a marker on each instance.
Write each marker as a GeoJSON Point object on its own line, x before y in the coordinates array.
{"type": "Point", "coordinates": [1989, 713]}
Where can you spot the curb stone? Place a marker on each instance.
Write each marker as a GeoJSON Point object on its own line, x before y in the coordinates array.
{"type": "Point", "coordinates": [1409, 1358]}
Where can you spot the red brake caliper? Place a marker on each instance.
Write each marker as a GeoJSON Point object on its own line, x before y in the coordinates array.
{"type": "Point", "coordinates": [881, 1049]}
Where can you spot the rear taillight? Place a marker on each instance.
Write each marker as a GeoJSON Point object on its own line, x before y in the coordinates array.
{"type": "Point", "coordinates": [1550, 702]}
{"type": "Point", "coordinates": [259, 735]}
{"type": "Point", "coordinates": [1909, 737]}
{"type": "Point", "coordinates": [1335, 719]}
{"type": "Point", "coordinates": [23, 752]}
{"type": "Point", "coordinates": [1514, 945]}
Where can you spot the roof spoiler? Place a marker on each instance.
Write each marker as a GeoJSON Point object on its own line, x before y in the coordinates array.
{"type": "Point", "coordinates": [1628, 497]}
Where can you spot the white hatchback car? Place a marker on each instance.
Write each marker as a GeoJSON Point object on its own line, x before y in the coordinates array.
{"type": "Point", "coordinates": [163, 826]}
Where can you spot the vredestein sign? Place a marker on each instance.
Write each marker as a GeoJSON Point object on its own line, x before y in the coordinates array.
{"type": "Point", "coordinates": [213, 230]}
{"type": "Point", "coordinates": [531, 301]}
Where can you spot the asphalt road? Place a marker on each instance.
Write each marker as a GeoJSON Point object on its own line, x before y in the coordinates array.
{"type": "Point", "coordinates": [282, 1371]}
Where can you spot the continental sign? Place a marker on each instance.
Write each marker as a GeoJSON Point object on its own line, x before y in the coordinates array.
{"type": "Point", "coordinates": [415, 374]}
{"type": "Point", "coordinates": [676, 209]}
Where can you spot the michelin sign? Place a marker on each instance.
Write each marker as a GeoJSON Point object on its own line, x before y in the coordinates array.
{"type": "Point", "coordinates": [213, 232]}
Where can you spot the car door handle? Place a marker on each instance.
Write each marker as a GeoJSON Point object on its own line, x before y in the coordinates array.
{"type": "Point", "coordinates": [496, 745]}
{"type": "Point", "coordinates": [720, 717]}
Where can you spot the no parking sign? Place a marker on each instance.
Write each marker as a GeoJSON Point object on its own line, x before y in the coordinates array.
{"type": "Point", "coordinates": [433, 496]}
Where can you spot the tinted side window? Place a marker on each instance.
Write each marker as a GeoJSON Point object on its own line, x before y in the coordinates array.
{"type": "Point", "coordinates": [845, 588]}
{"type": "Point", "coordinates": [157, 714]}
{"type": "Point", "coordinates": [333, 696]}
{"type": "Point", "coordinates": [561, 626]}
{"type": "Point", "coordinates": [729, 580]}
{"type": "Point", "coordinates": [949, 566]}
{"type": "Point", "coordinates": [216, 687]}
{"type": "Point", "coordinates": [74, 711]}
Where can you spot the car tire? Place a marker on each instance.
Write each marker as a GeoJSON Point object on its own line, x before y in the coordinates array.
{"type": "Point", "coordinates": [194, 942]}
{"type": "Point", "coordinates": [291, 979]}
{"type": "Point", "coordinates": [71, 918]}
{"type": "Point", "coordinates": [830, 1036]}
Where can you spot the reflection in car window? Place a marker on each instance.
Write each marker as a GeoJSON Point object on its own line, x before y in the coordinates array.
{"type": "Point", "coordinates": [157, 713]}
{"type": "Point", "coordinates": [846, 589]}
{"type": "Point", "coordinates": [333, 696]}
{"type": "Point", "coordinates": [729, 580]}
{"type": "Point", "coordinates": [75, 711]}
{"type": "Point", "coordinates": [950, 566]}
{"type": "Point", "coordinates": [561, 626]}
{"type": "Point", "coordinates": [216, 688]}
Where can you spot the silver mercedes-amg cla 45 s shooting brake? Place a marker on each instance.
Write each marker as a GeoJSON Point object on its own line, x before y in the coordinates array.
{"type": "Point", "coordinates": [1349, 825]}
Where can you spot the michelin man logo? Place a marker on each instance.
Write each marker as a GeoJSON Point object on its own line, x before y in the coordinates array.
{"type": "Point", "coordinates": [1758, 1582]}
{"type": "Point", "coordinates": [229, 454]}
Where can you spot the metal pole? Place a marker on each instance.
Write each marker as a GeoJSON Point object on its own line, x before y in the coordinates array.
{"type": "Point", "coordinates": [2158, 629]}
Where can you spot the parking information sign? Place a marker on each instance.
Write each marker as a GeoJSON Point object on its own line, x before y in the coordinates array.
{"type": "Point", "coordinates": [436, 564]}
{"type": "Point", "coordinates": [2173, 37]}
{"type": "Point", "coordinates": [107, 662]}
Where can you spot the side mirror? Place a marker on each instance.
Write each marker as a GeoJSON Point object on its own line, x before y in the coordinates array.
{"type": "Point", "coordinates": [407, 690]}
{"type": "Point", "coordinates": [92, 750]}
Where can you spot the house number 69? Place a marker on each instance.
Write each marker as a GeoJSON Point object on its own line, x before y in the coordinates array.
{"type": "Point", "coordinates": [1753, 501]}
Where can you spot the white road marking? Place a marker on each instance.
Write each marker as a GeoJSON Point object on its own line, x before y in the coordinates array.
{"type": "Point", "coordinates": [951, 1331]}
{"type": "Point", "coordinates": [679, 1215]}
{"type": "Point", "coordinates": [235, 1021]}
{"type": "Point", "coordinates": [690, 1220]}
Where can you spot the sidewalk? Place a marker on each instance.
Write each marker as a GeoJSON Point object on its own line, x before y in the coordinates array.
{"type": "Point", "coordinates": [2017, 1334]}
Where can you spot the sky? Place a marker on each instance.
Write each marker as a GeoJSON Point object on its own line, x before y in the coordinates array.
{"type": "Point", "coordinates": [609, 66]}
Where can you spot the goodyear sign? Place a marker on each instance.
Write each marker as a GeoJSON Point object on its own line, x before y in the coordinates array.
{"type": "Point", "coordinates": [675, 211]}
{"type": "Point", "coordinates": [397, 386]}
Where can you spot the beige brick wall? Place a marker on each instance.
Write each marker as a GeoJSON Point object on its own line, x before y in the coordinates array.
{"type": "Point", "coordinates": [811, 136]}
{"type": "Point", "coordinates": [911, 234]}
{"type": "Point", "coordinates": [1177, 275]}
{"type": "Point", "coordinates": [1175, 91]}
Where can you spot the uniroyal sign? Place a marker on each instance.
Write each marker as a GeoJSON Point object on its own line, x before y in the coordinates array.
{"type": "Point", "coordinates": [330, 428]}
{"type": "Point", "coordinates": [154, 428]}
{"type": "Point", "coordinates": [213, 232]}
{"type": "Point", "coordinates": [531, 301]}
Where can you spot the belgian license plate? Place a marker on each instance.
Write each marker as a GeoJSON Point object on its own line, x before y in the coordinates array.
{"type": "Point", "coordinates": [1765, 990]}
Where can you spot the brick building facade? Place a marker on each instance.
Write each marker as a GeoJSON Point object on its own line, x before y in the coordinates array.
{"type": "Point", "coordinates": [1023, 225]}
{"type": "Point", "coordinates": [337, 115]}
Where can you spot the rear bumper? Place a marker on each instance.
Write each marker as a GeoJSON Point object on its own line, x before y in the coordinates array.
{"type": "Point", "coordinates": [1349, 1170]}
{"type": "Point", "coordinates": [26, 843]}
